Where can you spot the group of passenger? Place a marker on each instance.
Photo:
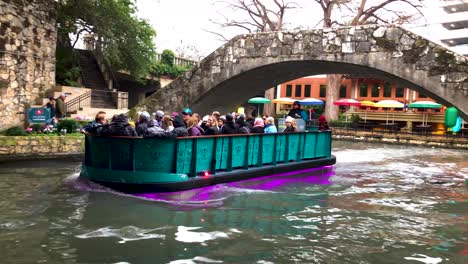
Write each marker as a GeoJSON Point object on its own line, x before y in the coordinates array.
{"type": "Point", "coordinates": [187, 123]}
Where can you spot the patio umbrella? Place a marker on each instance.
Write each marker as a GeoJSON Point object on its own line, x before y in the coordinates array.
{"type": "Point", "coordinates": [311, 101]}
{"type": "Point", "coordinates": [425, 105]}
{"type": "Point", "coordinates": [366, 103]}
{"type": "Point", "coordinates": [259, 101]}
{"type": "Point", "coordinates": [347, 102]}
{"type": "Point", "coordinates": [389, 104]}
{"type": "Point", "coordinates": [283, 100]}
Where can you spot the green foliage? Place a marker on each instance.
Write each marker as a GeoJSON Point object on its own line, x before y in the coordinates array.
{"type": "Point", "coordinates": [167, 57]}
{"type": "Point", "coordinates": [355, 118]}
{"type": "Point", "coordinates": [67, 73]}
{"type": "Point", "coordinates": [127, 41]}
{"type": "Point", "coordinates": [37, 128]}
{"type": "Point", "coordinates": [70, 124]}
{"type": "Point", "coordinates": [336, 123]}
{"type": "Point", "coordinates": [162, 69]}
{"type": "Point", "coordinates": [15, 131]}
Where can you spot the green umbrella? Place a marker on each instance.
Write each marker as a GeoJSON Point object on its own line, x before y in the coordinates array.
{"type": "Point", "coordinates": [424, 105]}
{"type": "Point", "coordinates": [259, 100]}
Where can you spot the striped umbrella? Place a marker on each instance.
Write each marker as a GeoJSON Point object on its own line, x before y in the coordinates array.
{"type": "Point", "coordinates": [311, 101]}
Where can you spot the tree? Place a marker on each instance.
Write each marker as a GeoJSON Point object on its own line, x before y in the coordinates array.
{"type": "Point", "coordinates": [125, 40]}
{"type": "Point", "coordinates": [257, 16]}
{"type": "Point", "coordinates": [359, 13]}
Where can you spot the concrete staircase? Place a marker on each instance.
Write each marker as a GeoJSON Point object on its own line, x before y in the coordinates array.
{"type": "Point", "coordinates": [90, 72]}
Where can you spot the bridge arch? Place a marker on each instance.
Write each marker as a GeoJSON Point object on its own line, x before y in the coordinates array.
{"type": "Point", "coordinates": [250, 64]}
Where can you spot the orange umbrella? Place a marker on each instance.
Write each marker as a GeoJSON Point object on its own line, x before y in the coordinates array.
{"type": "Point", "coordinates": [366, 103]}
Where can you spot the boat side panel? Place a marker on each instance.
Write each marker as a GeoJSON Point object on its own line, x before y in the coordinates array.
{"type": "Point", "coordinates": [222, 150]}
{"type": "Point", "coordinates": [280, 147]}
{"type": "Point", "coordinates": [99, 152]}
{"type": "Point", "coordinates": [293, 145]}
{"type": "Point", "coordinates": [155, 155]}
{"type": "Point", "coordinates": [268, 148]}
{"type": "Point", "coordinates": [309, 150]}
{"type": "Point", "coordinates": [204, 154]}
{"type": "Point", "coordinates": [239, 151]}
{"type": "Point", "coordinates": [323, 144]}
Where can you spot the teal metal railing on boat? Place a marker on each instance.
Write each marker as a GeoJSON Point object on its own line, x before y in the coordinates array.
{"type": "Point", "coordinates": [196, 155]}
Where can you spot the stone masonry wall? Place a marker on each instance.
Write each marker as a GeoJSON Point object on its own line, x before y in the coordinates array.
{"type": "Point", "coordinates": [27, 56]}
{"type": "Point", "coordinates": [40, 145]}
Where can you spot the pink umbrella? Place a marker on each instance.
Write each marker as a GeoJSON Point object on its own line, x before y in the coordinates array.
{"type": "Point", "coordinates": [347, 102]}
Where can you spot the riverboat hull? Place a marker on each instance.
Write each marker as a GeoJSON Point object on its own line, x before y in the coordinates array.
{"type": "Point", "coordinates": [200, 181]}
{"type": "Point", "coordinates": [141, 165]}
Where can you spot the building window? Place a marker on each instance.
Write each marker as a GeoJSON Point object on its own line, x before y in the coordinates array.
{"type": "Point", "coordinates": [400, 92]}
{"type": "Point", "coordinates": [288, 90]}
{"type": "Point", "coordinates": [307, 90]}
{"type": "Point", "coordinates": [298, 91]}
{"type": "Point", "coordinates": [421, 95]}
{"type": "Point", "coordinates": [375, 90]}
{"type": "Point", "coordinates": [387, 90]}
{"type": "Point", "coordinates": [342, 91]}
{"type": "Point", "coordinates": [363, 90]}
{"type": "Point", "coordinates": [323, 91]}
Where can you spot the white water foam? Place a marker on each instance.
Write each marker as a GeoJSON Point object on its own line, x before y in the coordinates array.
{"type": "Point", "coordinates": [197, 259]}
{"type": "Point", "coordinates": [185, 234]}
{"type": "Point", "coordinates": [424, 259]}
{"type": "Point", "coordinates": [127, 233]}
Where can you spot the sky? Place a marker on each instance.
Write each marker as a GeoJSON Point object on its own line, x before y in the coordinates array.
{"type": "Point", "coordinates": [181, 24]}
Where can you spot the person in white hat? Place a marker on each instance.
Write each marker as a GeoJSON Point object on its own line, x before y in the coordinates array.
{"type": "Point", "coordinates": [143, 122]}
{"type": "Point", "coordinates": [158, 115]}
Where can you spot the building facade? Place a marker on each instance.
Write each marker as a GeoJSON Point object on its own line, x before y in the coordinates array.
{"type": "Point", "coordinates": [455, 21]}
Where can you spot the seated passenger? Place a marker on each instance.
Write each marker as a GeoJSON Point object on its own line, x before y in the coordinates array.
{"type": "Point", "coordinates": [179, 127]}
{"type": "Point", "coordinates": [230, 127]}
{"type": "Point", "coordinates": [290, 125]}
{"type": "Point", "coordinates": [167, 124]}
{"type": "Point", "coordinates": [158, 115]}
{"type": "Point", "coordinates": [119, 127]}
{"type": "Point", "coordinates": [270, 125]}
{"type": "Point", "coordinates": [211, 126]}
{"type": "Point", "coordinates": [95, 126]}
{"type": "Point", "coordinates": [258, 126]}
{"type": "Point", "coordinates": [323, 125]}
{"type": "Point", "coordinates": [243, 128]}
{"type": "Point", "coordinates": [143, 121]}
{"type": "Point", "coordinates": [193, 128]}
{"type": "Point", "coordinates": [154, 130]}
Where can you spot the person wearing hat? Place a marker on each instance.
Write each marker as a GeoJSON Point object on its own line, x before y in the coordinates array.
{"type": "Point", "coordinates": [60, 111]}
{"type": "Point", "coordinates": [158, 117]}
{"type": "Point", "coordinates": [230, 127]}
{"type": "Point", "coordinates": [143, 121]}
{"type": "Point", "coordinates": [186, 114]}
{"type": "Point", "coordinates": [297, 112]}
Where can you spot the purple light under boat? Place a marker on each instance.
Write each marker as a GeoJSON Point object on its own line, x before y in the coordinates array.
{"type": "Point", "coordinates": [213, 195]}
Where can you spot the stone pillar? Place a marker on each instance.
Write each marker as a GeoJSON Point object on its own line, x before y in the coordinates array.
{"type": "Point", "coordinates": [269, 108]}
{"type": "Point", "coordinates": [27, 56]}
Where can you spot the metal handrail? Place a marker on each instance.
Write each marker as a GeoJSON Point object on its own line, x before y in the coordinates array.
{"type": "Point", "coordinates": [76, 103]}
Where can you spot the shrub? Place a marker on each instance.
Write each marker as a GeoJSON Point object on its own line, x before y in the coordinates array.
{"type": "Point", "coordinates": [15, 131]}
{"type": "Point", "coordinates": [355, 118]}
{"type": "Point", "coordinates": [37, 128]}
{"type": "Point", "coordinates": [71, 125]}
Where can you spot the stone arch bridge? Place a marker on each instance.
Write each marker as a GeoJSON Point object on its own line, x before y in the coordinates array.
{"type": "Point", "coordinates": [250, 64]}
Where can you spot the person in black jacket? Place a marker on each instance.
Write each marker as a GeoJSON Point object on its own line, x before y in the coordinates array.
{"type": "Point", "coordinates": [119, 127]}
{"type": "Point", "coordinates": [179, 127]}
{"type": "Point", "coordinates": [230, 127]}
{"type": "Point", "coordinates": [143, 121]}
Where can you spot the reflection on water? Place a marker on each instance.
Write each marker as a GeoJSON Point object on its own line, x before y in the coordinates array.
{"type": "Point", "coordinates": [379, 204]}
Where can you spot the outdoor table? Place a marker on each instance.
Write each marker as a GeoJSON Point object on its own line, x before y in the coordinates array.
{"type": "Point", "coordinates": [422, 129]}
{"type": "Point", "coordinates": [391, 127]}
{"type": "Point", "coordinates": [366, 125]}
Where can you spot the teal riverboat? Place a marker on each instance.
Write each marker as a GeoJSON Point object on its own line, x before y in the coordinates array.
{"type": "Point", "coordinates": [142, 165]}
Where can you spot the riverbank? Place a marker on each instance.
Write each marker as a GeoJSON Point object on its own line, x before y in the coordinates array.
{"type": "Point", "coordinates": [440, 141]}
{"type": "Point", "coordinates": [41, 147]}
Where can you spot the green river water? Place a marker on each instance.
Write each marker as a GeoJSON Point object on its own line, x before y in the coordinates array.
{"type": "Point", "coordinates": [378, 204]}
